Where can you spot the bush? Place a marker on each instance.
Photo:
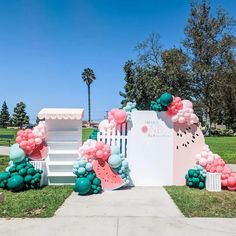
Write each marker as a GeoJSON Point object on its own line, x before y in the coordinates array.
{"type": "Point", "coordinates": [222, 132]}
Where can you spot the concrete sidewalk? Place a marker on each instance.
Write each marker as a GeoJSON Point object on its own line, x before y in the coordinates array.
{"type": "Point", "coordinates": [4, 150]}
{"type": "Point", "coordinates": [132, 212]}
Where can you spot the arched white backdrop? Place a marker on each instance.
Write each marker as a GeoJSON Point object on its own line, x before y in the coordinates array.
{"type": "Point", "coordinates": [160, 152]}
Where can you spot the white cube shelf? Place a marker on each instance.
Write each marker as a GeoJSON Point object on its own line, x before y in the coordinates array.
{"type": "Point", "coordinates": [64, 139]}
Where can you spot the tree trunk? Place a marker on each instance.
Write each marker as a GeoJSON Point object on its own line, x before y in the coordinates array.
{"type": "Point", "coordinates": [208, 125]}
{"type": "Point", "coordinates": [89, 108]}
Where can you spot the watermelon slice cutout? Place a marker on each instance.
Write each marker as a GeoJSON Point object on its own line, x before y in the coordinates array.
{"type": "Point", "coordinates": [110, 179]}
{"type": "Point", "coordinates": [39, 153]}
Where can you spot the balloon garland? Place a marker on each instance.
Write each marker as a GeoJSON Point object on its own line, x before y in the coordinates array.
{"type": "Point", "coordinates": [20, 174]}
{"type": "Point", "coordinates": [87, 181]}
{"type": "Point", "coordinates": [105, 163]}
{"type": "Point", "coordinates": [195, 177]}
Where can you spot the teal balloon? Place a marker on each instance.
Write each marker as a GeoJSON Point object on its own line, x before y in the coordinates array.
{"type": "Point", "coordinates": [28, 178]}
{"type": "Point", "coordinates": [16, 153]}
{"type": "Point", "coordinates": [89, 166]}
{"type": "Point", "coordinates": [96, 181]}
{"type": "Point", "coordinates": [115, 150]}
{"type": "Point", "coordinates": [15, 183]}
{"type": "Point", "coordinates": [125, 163]}
{"type": "Point", "coordinates": [82, 186]}
{"type": "Point", "coordinates": [4, 176]}
{"type": "Point", "coordinates": [82, 163]}
{"type": "Point", "coordinates": [114, 160]}
{"type": "Point", "coordinates": [166, 99]}
{"type": "Point", "coordinates": [81, 170]}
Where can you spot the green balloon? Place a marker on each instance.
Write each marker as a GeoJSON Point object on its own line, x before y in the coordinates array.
{"type": "Point", "coordinates": [28, 178]}
{"type": "Point", "coordinates": [31, 171]}
{"type": "Point", "coordinates": [195, 181]}
{"type": "Point", "coordinates": [96, 181]}
{"type": "Point", "coordinates": [12, 169]}
{"type": "Point", "coordinates": [166, 99]}
{"type": "Point", "coordinates": [191, 173]}
{"type": "Point", "coordinates": [23, 172]}
{"type": "Point", "coordinates": [15, 183]}
{"type": "Point", "coordinates": [201, 185]}
{"type": "Point", "coordinates": [190, 184]}
{"type": "Point", "coordinates": [90, 177]}
{"type": "Point", "coordinates": [4, 176]}
{"type": "Point", "coordinates": [82, 186]}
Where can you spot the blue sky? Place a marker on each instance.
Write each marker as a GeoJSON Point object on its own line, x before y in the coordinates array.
{"type": "Point", "coordinates": [46, 44]}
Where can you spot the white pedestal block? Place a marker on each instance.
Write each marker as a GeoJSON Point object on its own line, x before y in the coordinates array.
{"type": "Point", "coordinates": [213, 182]}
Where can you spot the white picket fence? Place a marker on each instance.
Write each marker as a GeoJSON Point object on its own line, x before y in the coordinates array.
{"type": "Point", "coordinates": [117, 136]}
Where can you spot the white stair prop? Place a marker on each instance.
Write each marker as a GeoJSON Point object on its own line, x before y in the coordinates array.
{"type": "Point", "coordinates": [213, 182]}
{"type": "Point", "coordinates": [63, 152]}
{"type": "Point", "coordinates": [42, 166]}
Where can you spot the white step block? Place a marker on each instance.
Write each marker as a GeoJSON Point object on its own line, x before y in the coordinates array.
{"type": "Point", "coordinates": [63, 155]}
{"type": "Point", "coordinates": [64, 136]}
{"type": "Point", "coordinates": [213, 182]}
{"type": "Point", "coordinates": [60, 178]}
{"type": "Point", "coordinates": [60, 166]}
{"type": "Point", "coordinates": [62, 145]}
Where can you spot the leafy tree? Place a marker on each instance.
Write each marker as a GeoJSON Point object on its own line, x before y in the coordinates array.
{"type": "Point", "coordinates": [209, 40]}
{"type": "Point", "coordinates": [4, 115]}
{"type": "Point", "coordinates": [88, 77]}
{"type": "Point", "coordinates": [20, 117]}
{"type": "Point", "coordinates": [176, 77]}
{"type": "Point", "coordinates": [129, 93]}
{"type": "Point", "coordinates": [149, 51]}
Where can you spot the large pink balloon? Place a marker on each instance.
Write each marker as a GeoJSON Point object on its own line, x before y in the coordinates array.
{"type": "Point", "coordinates": [187, 103]}
{"type": "Point", "coordinates": [120, 116]}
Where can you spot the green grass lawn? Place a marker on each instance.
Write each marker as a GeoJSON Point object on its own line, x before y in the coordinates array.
{"type": "Point", "coordinates": [85, 133]}
{"type": "Point", "coordinates": [201, 203]}
{"type": "Point", "coordinates": [7, 131]}
{"type": "Point", "coordinates": [3, 162]}
{"type": "Point", "coordinates": [224, 146]}
{"type": "Point", "coordinates": [34, 203]}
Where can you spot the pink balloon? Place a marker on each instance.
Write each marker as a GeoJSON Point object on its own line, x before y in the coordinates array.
{"type": "Point", "coordinates": [99, 145]}
{"type": "Point", "coordinates": [31, 141]}
{"type": "Point", "coordinates": [174, 118]}
{"type": "Point", "coordinates": [23, 144]}
{"type": "Point", "coordinates": [187, 103]}
{"type": "Point", "coordinates": [231, 182]}
{"type": "Point", "coordinates": [120, 116]}
{"type": "Point", "coordinates": [202, 161]}
{"type": "Point", "coordinates": [99, 154]}
{"type": "Point", "coordinates": [28, 131]}
{"type": "Point", "coordinates": [31, 135]}
{"type": "Point", "coordinates": [181, 120]}
{"type": "Point", "coordinates": [18, 139]}
{"type": "Point", "coordinates": [20, 132]}
{"type": "Point", "coordinates": [38, 141]}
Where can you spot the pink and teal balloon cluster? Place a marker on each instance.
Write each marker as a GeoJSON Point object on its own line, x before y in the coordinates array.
{"type": "Point", "coordinates": [93, 149]}
{"type": "Point", "coordinates": [213, 163]}
{"type": "Point", "coordinates": [29, 139]}
{"type": "Point", "coordinates": [195, 178]}
{"type": "Point", "coordinates": [119, 164]}
{"type": "Point", "coordinates": [86, 182]}
{"type": "Point", "coordinates": [20, 174]}
{"type": "Point", "coordinates": [161, 104]}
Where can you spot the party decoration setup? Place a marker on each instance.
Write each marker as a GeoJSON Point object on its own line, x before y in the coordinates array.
{"type": "Point", "coordinates": [161, 146]}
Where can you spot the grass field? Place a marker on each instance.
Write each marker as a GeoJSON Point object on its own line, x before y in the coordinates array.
{"type": "Point", "coordinates": [201, 203]}
{"type": "Point", "coordinates": [224, 146]}
{"type": "Point", "coordinates": [8, 131]}
{"type": "Point", "coordinates": [34, 203]}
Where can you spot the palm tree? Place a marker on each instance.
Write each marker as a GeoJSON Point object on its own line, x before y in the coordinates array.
{"type": "Point", "coordinates": [88, 77]}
